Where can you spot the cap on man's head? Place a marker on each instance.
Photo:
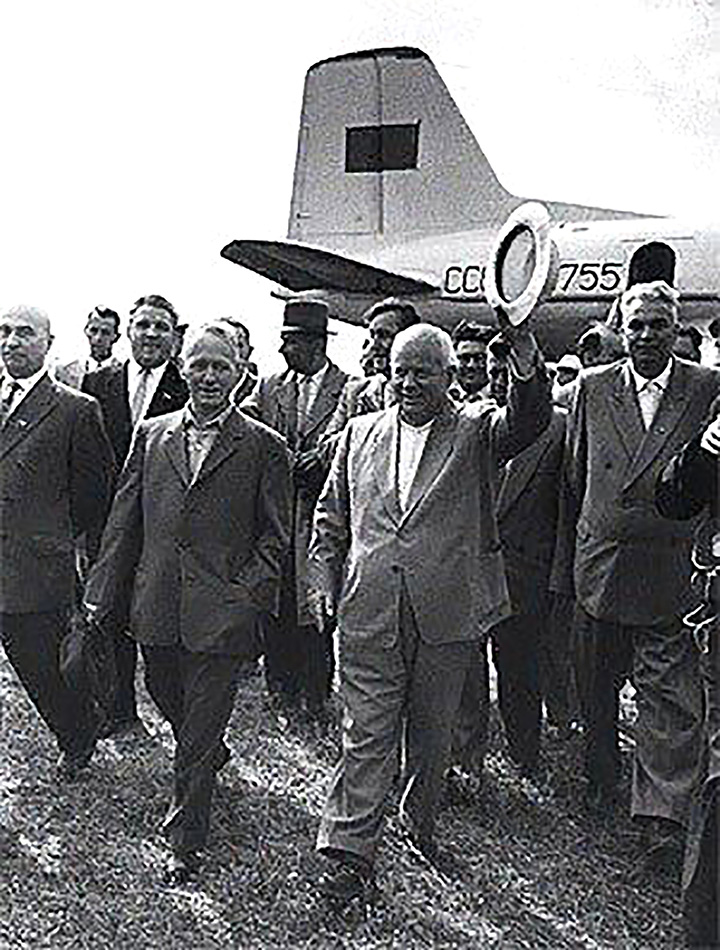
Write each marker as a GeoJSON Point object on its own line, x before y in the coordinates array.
{"type": "Point", "coordinates": [306, 316]}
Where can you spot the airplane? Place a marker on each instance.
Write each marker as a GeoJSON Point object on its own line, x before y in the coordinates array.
{"type": "Point", "coordinates": [392, 196]}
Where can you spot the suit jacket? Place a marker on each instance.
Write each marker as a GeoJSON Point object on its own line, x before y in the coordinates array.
{"type": "Point", "coordinates": [443, 551]}
{"type": "Point", "coordinates": [195, 562]}
{"type": "Point", "coordinates": [527, 514]}
{"type": "Point", "coordinates": [273, 402]}
{"type": "Point", "coordinates": [109, 385]}
{"type": "Point", "coordinates": [56, 469]}
{"type": "Point", "coordinates": [73, 374]}
{"type": "Point", "coordinates": [631, 565]}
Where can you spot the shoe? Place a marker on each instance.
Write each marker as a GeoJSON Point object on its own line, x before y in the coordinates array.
{"type": "Point", "coordinates": [181, 869]}
{"type": "Point", "coordinates": [124, 729]}
{"type": "Point", "coordinates": [346, 878]}
{"type": "Point", "coordinates": [461, 787]}
{"type": "Point", "coordinates": [71, 766]}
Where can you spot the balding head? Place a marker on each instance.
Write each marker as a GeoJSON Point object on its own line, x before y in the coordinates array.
{"type": "Point", "coordinates": [435, 343]}
{"type": "Point", "coordinates": [422, 363]}
{"type": "Point", "coordinates": [25, 338]}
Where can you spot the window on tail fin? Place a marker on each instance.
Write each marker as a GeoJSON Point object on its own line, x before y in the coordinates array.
{"type": "Point", "coordinates": [381, 148]}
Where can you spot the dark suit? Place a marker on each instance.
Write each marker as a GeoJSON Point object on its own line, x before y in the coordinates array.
{"type": "Point", "coordinates": [632, 571]}
{"type": "Point", "coordinates": [109, 385]}
{"type": "Point", "coordinates": [55, 483]}
{"type": "Point", "coordinates": [299, 659]}
{"type": "Point", "coordinates": [416, 588]}
{"type": "Point", "coordinates": [527, 510]}
{"type": "Point", "coordinates": [198, 561]}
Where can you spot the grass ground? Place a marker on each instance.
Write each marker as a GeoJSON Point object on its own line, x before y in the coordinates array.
{"type": "Point", "coordinates": [80, 864]}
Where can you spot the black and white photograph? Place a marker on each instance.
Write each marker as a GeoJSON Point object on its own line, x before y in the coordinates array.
{"type": "Point", "coordinates": [359, 462]}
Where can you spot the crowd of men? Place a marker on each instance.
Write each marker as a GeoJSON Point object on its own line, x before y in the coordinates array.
{"type": "Point", "coordinates": [463, 497]}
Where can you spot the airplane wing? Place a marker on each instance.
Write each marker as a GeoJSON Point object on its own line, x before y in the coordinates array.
{"type": "Point", "coordinates": [301, 267]}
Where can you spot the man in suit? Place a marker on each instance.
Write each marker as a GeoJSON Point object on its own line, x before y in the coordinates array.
{"type": "Point", "coordinates": [405, 550]}
{"type": "Point", "coordinates": [55, 478]}
{"type": "Point", "coordinates": [149, 384]}
{"type": "Point", "coordinates": [632, 567]}
{"type": "Point", "coordinates": [102, 330]}
{"type": "Point", "coordinates": [195, 541]}
{"type": "Point", "coordinates": [299, 404]}
{"type": "Point", "coordinates": [528, 667]}
{"type": "Point", "coordinates": [527, 514]}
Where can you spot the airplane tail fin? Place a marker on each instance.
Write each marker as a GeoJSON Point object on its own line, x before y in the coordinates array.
{"type": "Point", "coordinates": [384, 152]}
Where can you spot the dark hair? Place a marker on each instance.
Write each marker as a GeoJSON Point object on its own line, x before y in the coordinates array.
{"type": "Point", "coordinates": [159, 303]}
{"type": "Point", "coordinates": [467, 331]}
{"type": "Point", "coordinates": [692, 333]}
{"type": "Point", "coordinates": [105, 313]}
{"type": "Point", "coordinates": [407, 312]}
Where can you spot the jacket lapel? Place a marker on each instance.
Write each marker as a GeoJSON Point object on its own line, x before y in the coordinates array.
{"type": "Point", "coordinates": [286, 402]}
{"type": "Point", "coordinates": [673, 406]}
{"type": "Point", "coordinates": [40, 401]}
{"type": "Point", "coordinates": [174, 446]}
{"type": "Point", "coordinates": [624, 409]}
{"type": "Point", "coordinates": [382, 456]}
{"type": "Point", "coordinates": [169, 389]}
{"type": "Point", "coordinates": [438, 449]}
{"type": "Point", "coordinates": [228, 440]}
{"type": "Point", "coordinates": [519, 470]}
{"type": "Point", "coordinates": [326, 400]}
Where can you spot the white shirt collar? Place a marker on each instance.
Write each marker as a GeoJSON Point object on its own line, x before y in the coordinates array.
{"type": "Point", "coordinates": [662, 380]}
{"type": "Point", "coordinates": [25, 384]}
{"type": "Point", "coordinates": [134, 370]}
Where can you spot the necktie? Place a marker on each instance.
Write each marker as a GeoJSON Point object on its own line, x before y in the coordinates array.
{"type": "Point", "coordinates": [138, 403]}
{"type": "Point", "coordinates": [303, 402]}
{"type": "Point", "coordinates": [650, 396]}
{"type": "Point", "coordinates": [6, 403]}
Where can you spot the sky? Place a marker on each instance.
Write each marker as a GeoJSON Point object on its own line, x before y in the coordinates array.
{"type": "Point", "coordinates": [137, 139]}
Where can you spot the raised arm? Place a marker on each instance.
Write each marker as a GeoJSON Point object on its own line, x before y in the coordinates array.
{"type": "Point", "coordinates": [529, 407]}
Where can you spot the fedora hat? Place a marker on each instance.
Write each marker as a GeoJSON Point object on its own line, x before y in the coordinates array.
{"type": "Point", "coordinates": [306, 316]}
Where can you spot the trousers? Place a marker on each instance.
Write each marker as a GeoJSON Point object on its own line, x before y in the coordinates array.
{"type": "Point", "coordinates": [195, 692]}
{"type": "Point", "coordinates": [663, 664]}
{"type": "Point", "coordinates": [400, 703]}
{"type": "Point", "coordinates": [32, 642]}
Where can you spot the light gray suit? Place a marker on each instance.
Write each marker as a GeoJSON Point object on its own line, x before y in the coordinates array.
{"type": "Point", "coordinates": [415, 589]}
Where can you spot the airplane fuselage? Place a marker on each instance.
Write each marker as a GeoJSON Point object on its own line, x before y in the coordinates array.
{"type": "Point", "coordinates": [594, 263]}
